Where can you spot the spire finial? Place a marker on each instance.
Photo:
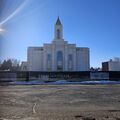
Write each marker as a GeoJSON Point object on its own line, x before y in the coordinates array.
{"type": "Point", "coordinates": [58, 21]}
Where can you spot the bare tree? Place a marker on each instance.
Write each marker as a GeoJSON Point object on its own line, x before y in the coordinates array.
{"type": "Point", "coordinates": [11, 65]}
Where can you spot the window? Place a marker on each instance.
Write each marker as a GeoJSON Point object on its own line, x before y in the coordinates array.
{"type": "Point", "coordinates": [48, 57]}
{"type": "Point", "coordinates": [59, 60]}
{"type": "Point", "coordinates": [49, 61]}
{"type": "Point", "coordinates": [58, 33]}
{"type": "Point", "coordinates": [70, 62]}
{"type": "Point", "coordinates": [59, 56]}
{"type": "Point", "coordinates": [70, 57]}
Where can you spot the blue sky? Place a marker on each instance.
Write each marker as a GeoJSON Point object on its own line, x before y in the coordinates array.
{"type": "Point", "coordinates": [88, 23]}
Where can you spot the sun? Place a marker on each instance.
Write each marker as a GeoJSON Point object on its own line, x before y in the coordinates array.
{"type": "Point", "coordinates": [1, 30]}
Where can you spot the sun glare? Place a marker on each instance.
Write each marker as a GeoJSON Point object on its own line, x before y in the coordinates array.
{"type": "Point", "coordinates": [1, 30]}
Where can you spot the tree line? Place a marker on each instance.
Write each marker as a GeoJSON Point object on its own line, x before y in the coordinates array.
{"type": "Point", "coordinates": [10, 65]}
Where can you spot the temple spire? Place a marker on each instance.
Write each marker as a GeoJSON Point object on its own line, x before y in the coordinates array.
{"type": "Point", "coordinates": [58, 30]}
{"type": "Point", "coordinates": [58, 22]}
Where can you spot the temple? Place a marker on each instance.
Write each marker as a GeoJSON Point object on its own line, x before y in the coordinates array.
{"type": "Point", "coordinates": [58, 55]}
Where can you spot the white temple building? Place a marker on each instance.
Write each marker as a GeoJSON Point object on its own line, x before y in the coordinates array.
{"type": "Point", "coordinates": [58, 55]}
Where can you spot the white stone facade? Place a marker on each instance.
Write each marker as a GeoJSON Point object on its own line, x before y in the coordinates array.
{"type": "Point", "coordinates": [114, 66]}
{"type": "Point", "coordinates": [111, 65]}
{"type": "Point", "coordinates": [58, 55]}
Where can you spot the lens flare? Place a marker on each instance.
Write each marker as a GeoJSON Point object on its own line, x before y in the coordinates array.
{"type": "Point", "coordinates": [1, 30]}
{"type": "Point", "coordinates": [14, 13]}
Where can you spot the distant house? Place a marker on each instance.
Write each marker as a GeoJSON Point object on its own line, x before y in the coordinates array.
{"type": "Point", "coordinates": [24, 66]}
{"type": "Point", "coordinates": [58, 55]}
{"type": "Point", "coordinates": [111, 65]}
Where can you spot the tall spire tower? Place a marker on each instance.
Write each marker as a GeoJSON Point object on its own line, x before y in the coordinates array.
{"type": "Point", "coordinates": [58, 30]}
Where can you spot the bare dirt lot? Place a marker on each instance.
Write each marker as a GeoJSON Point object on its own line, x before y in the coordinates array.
{"type": "Point", "coordinates": [60, 102]}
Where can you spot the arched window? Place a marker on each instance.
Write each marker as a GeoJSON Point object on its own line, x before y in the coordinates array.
{"type": "Point", "coordinates": [70, 62]}
{"type": "Point", "coordinates": [48, 57]}
{"type": "Point", "coordinates": [48, 61]}
{"type": "Point", "coordinates": [59, 56]}
{"type": "Point", "coordinates": [58, 34]}
{"type": "Point", "coordinates": [59, 60]}
{"type": "Point", "coordinates": [70, 58]}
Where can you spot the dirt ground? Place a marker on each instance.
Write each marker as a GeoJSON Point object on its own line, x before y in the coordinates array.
{"type": "Point", "coordinates": [60, 102]}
